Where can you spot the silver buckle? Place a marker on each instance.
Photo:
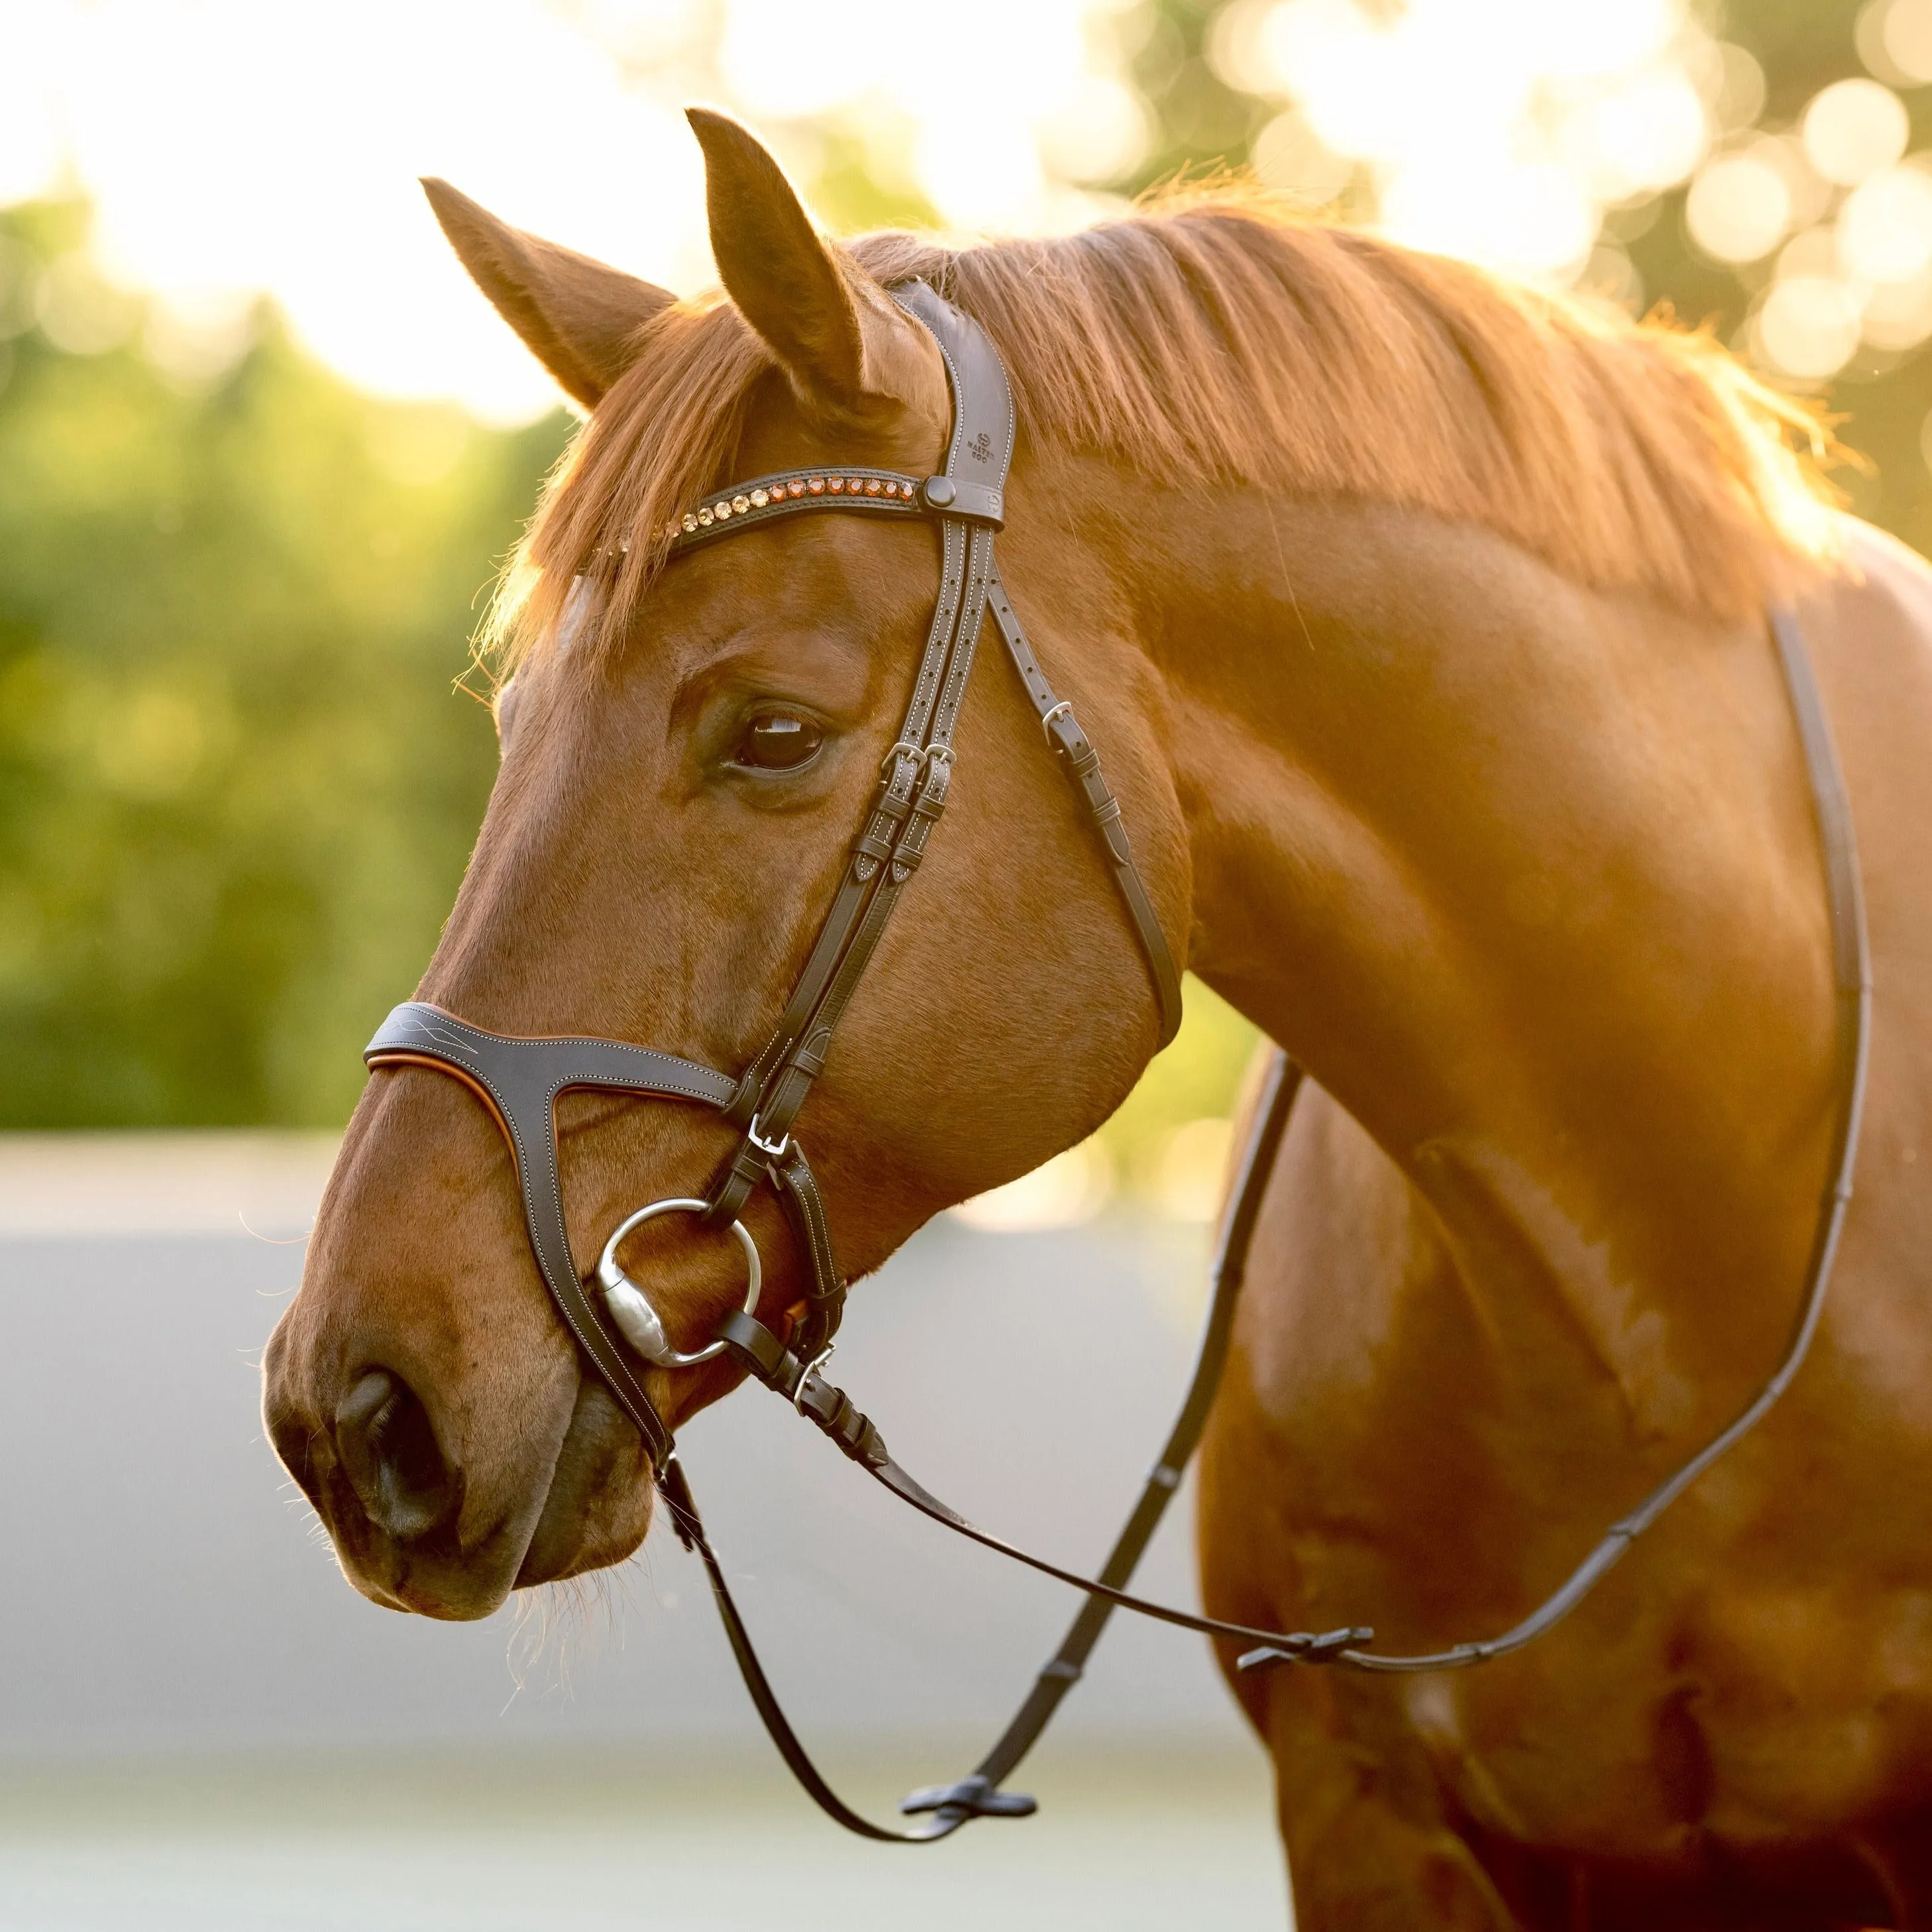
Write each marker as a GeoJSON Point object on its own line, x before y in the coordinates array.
{"type": "Point", "coordinates": [1064, 708]}
{"type": "Point", "coordinates": [811, 1369]}
{"type": "Point", "coordinates": [772, 1150]}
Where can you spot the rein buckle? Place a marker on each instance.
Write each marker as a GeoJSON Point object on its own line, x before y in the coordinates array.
{"type": "Point", "coordinates": [974, 1797]}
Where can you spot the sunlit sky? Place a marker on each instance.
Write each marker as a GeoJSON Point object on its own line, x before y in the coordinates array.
{"type": "Point", "coordinates": [237, 146]}
{"type": "Point", "coordinates": [231, 145]}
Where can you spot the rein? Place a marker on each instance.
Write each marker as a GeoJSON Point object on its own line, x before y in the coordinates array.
{"type": "Point", "coordinates": [518, 1080]}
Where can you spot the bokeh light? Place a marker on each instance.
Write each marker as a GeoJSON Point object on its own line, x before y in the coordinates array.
{"type": "Point", "coordinates": [1740, 205]}
{"type": "Point", "coordinates": [1895, 38]}
{"type": "Point", "coordinates": [1899, 316]}
{"type": "Point", "coordinates": [1853, 128]}
{"type": "Point", "coordinates": [231, 147]}
{"type": "Point", "coordinates": [1499, 130]}
{"type": "Point", "coordinates": [1885, 226]}
{"type": "Point", "coordinates": [1809, 325]}
{"type": "Point", "coordinates": [1290, 156]}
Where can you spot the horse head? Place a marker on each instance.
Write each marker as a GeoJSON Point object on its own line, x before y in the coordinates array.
{"type": "Point", "coordinates": [689, 742]}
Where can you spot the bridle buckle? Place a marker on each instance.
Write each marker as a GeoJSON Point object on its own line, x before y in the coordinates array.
{"type": "Point", "coordinates": [775, 1150]}
{"type": "Point", "coordinates": [807, 1371]}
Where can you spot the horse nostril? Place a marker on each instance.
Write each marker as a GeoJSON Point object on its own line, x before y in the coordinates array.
{"type": "Point", "coordinates": [391, 1457]}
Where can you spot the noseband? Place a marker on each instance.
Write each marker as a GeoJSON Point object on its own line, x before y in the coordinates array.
{"type": "Point", "coordinates": [518, 1080]}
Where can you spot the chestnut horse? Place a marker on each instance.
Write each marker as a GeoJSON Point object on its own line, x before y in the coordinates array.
{"type": "Point", "coordinates": [1422, 620]}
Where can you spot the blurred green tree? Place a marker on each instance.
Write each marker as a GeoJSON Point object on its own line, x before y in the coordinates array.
{"type": "Point", "coordinates": [236, 788]}
{"type": "Point", "coordinates": [236, 791]}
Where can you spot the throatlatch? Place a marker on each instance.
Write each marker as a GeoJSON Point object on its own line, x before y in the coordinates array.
{"type": "Point", "coordinates": [519, 1080]}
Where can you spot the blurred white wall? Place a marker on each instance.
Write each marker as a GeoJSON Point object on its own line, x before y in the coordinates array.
{"type": "Point", "coordinates": [177, 1627]}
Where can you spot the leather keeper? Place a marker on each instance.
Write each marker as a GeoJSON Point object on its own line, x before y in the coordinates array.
{"type": "Point", "coordinates": [809, 1059]}
{"type": "Point", "coordinates": [954, 496]}
{"type": "Point", "coordinates": [733, 1188]}
{"type": "Point", "coordinates": [760, 1352]}
{"type": "Point", "coordinates": [835, 1412]}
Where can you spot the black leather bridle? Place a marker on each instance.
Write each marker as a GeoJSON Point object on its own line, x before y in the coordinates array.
{"type": "Point", "coordinates": [520, 1079]}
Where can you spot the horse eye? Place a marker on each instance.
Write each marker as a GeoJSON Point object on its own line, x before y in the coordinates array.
{"type": "Point", "coordinates": [777, 741]}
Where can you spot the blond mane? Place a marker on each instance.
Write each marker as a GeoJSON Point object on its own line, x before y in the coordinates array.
{"type": "Point", "coordinates": [1216, 338]}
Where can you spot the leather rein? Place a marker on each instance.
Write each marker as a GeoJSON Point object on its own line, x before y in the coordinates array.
{"type": "Point", "coordinates": [518, 1080]}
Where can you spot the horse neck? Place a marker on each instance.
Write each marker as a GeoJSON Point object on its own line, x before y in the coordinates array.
{"type": "Point", "coordinates": [1528, 877]}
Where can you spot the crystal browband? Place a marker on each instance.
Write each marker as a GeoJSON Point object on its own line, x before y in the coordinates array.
{"type": "Point", "coordinates": [843, 489]}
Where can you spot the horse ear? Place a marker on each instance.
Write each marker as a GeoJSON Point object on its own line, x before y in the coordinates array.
{"type": "Point", "coordinates": [839, 336]}
{"type": "Point", "coordinates": [578, 317]}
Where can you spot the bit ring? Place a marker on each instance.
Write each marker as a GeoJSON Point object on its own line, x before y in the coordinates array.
{"type": "Point", "coordinates": [631, 1308]}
